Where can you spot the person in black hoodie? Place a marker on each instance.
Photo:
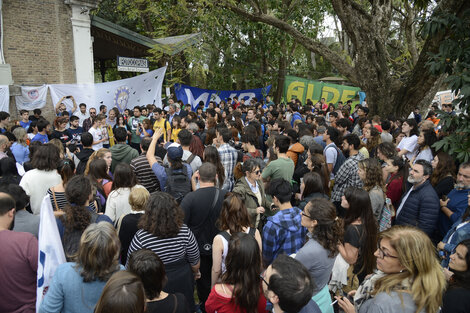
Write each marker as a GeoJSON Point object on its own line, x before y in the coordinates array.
{"type": "Point", "coordinates": [87, 151]}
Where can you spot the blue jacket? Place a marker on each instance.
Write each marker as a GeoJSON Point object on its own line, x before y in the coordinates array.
{"type": "Point", "coordinates": [421, 209]}
{"type": "Point", "coordinates": [457, 236]}
{"type": "Point", "coordinates": [283, 233]}
{"type": "Point", "coordinates": [458, 202]}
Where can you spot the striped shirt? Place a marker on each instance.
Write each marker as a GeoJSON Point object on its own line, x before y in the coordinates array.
{"type": "Point", "coordinates": [183, 246]}
{"type": "Point", "coordinates": [62, 201]}
{"type": "Point", "coordinates": [145, 176]}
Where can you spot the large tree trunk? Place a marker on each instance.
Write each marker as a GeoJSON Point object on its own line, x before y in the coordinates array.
{"type": "Point", "coordinates": [281, 72]}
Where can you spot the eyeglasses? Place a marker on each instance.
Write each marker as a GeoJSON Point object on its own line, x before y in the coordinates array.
{"type": "Point", "coordinates": [383, 254]}
{"type": "Point", "coordinates": [306, 215]}
{"type": "Point", "coordinates": [257, 172]}
{"type": "Point", "coordinates": [262, 277]}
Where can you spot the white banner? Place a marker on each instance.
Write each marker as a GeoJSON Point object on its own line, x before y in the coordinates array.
{"type": "Point", "coordinates": [31, 98]}
{"type": "Point", "coordinates": [4, 98]}
{"type": "Point", "coordinates": [125, 93]}
{"type": "Point", "coordinates": [51, 253]}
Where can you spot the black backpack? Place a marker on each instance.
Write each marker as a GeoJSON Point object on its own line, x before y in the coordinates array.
{"type": "Point", "coordinates": [178, 184]}
{"type": "Point", "coordinates": [339, 160]}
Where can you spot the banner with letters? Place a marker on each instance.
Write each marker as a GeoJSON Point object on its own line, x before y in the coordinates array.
{"type": "Point", "coordinates": [193, 95]}
{"type": "Point", "coordinates": [4, 98]}
{"type": "Point", "coordinates": [124, 94]}
{"type": "Point", "coordinates": [31, 98]}
{"type": "Point", "coordinates": [304, 89]}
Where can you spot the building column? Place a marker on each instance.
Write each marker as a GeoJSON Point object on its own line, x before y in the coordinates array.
{"type": "Point", "coordinates": [82, 40]}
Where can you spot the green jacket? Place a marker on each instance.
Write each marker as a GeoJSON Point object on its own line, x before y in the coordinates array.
{"type": "Point", "coordinates": [249, 198]}
{"type": "Point", "coordinates": [122, 153]}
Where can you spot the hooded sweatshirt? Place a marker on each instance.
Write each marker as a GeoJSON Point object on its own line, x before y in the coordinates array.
{"type": "Point", "coordinates": [83, 156]}
{"type": "Point", "coordinates": [294, 151]}
{"type": "Point", "coordinates": [122, 153]}
{"type": "Point", "coordinates": [283, 233]}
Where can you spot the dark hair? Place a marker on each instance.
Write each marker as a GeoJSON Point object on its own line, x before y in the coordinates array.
{"type": "Point", "coordinates": [145, 143]}
{"type": "Point", "coordinates": [46, 157]}
{"type": "Point", "coordinates": [234, 214]}
{"type": "Point", "coordinates": [412, 123]}
{"type": "Point", "coordinates": [66, 169]}
{"type": "Point", "coordinates": [427, 168]}
{"type": "Point", "coordinates": [402, 171]}
{"type": "Point", "coordinates": [429, 138]}
{"type": "Point", "coordinates": [388, 149]}
{"type": "Point", "coordinates": [243, 263]}
{"type": "Point", "coordinates": [207, 172]}
{"type": "Point", "coordinates": [37, 111]}
{"type": "Point", "coordinates": [353, 140]}
{"type": "Point", "coordinates": [149, 267]}
{"type": "Point", "coordinates": [334, 134]}
{"type": "Point", "coordinates": [313, 184]}
{"type": "Point", "coordinates": [87, 139]}
{"type": "Point", "coordinates": [17, 193]}
{"type": "Point", "coordinates": [6, 203]}
{"type": "Point", "coordinates": [8, 167]}
{"type": "Point", "coordinates": [23, 111]}
{"type": "Point", "coordinates": [225, 133]}
{"type": "Point", "coordinates": [329, 230]}
{"type": "Point", "coordinates": [123, 293]}
{"type": "Point", "coordinates": [249, 165]}
{"type": "Point", "coordinates": [282, 143]}
{"type": "Point", "coordinates": [292, 135]}
{"type": "Point", "coordinates": [249, 138]}
{"type": "Point", "coordinates": [185, 137]}
{"type": "Point", "coordinates": [42, 124]}
{"type": "Point", "coordinates": [291, 282]}
{"type": "Point", "coordinates": [445, 167]}
{"type": "Point", "coordinates": [462, 279]}
{"type": "Point", "coordinates": [4, 115]}
{"type": "Point", "coordinates": [120, 133]}
{"type": "Point", "coordinates": [124, 177]}
{"type": "Point", "coordinates": [211, 155]}
{"type": "Point", "coordinates": [361, 207]}
{"type": "Point", "coordinates": [31, 126]}
{"type": "Point", "coordinates": [98, 169]}
{"type": "Point", "coordinates": [386, 125]}
{"type": "Point", "coordinates": [77, 192]}
{"type": "Point", "coordinates": [137, 108]}
{"type": "Point", "coordinates": [281, 189]}
{"type": "Point", "coordinates": [163, 216]}
{"type": "Point", "coordinates": [74, 118]}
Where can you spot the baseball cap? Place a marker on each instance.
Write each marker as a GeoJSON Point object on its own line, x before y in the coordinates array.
{"type": "Point", "coordinates": [174, 150]}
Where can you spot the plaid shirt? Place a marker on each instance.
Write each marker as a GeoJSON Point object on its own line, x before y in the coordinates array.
{"type": "Point", "coordinates": [347, 176]}
{"type": "Point", "coordinates": [228, 158]}
{"type": "Point", "coordinates": [283, 233]}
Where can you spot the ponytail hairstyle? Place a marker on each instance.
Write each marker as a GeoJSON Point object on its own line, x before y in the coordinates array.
{"type": "Point", "coordinates": [77, 192]}
{"type": "Point", "coordinates": [329, 230]}
{"type": "Point", "coordinates": [66, 170]}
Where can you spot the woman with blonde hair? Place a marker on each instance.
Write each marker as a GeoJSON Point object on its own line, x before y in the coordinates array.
{"type": "Point", "coordinates": [104, 154]}
{"type": "Point", "coordinates": [77, 286]}
{"type": "Point", "coordinates": [20, 148]}
{"type": "Point", "coordinates": [409, 278]}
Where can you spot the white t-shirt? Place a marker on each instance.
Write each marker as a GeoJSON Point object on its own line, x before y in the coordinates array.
{"type": "Point", "coordinates": [331, 154]}
{"type": "Point", "coordinates": [410, 144]}
{"type": "Point", "coordinates": [97, 135]}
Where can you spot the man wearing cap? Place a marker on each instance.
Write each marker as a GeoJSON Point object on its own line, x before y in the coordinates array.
{"type": "Point", "coordinates": [174, 155]}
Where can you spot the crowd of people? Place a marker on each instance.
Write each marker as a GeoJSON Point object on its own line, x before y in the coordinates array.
{"type": "Point", "coordinates": [235, 207]}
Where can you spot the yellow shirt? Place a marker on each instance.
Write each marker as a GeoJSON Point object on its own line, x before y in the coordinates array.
{"type": "Point", "coordinates": [174, 134]}
{"type": "Point", "coordinates": [161, 125]}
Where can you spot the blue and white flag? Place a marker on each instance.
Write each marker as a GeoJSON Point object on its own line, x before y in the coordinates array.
{"type": "Point", "coordinates": [51, 253]}
{"type": "Point", "coordinates": [193, 95]}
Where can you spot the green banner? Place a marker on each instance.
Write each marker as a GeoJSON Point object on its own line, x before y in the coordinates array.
{"type": "Point", "coordinates": [304, 89]}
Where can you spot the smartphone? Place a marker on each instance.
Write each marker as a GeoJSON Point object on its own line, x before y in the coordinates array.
{"type": "Point", "coordinates": [444, 198]}
{"type": "Point", "coordinates": [344, 294]}
{"type": "Point", "coordinates": [68, 97]}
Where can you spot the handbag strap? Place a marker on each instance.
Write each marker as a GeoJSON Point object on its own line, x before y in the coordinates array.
{"type": "Point", "coordinates": [55, 200]}
{"type": "Point", "coordinates": [176, 303]}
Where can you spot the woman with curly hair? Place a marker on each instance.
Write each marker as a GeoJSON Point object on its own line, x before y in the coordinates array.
{"type": "Point", "coordinates": [370, 173]}
{"type": "Point", "coordinates": [409, 278]}
{"type": "Point", "coordinates": [316, 163]}
{"type": "Point", "coordinates": [78, 214]}
{"type": "Point", "coordinates": [325, 232]}
{"type": "Point", "coordinates": [443, 173]}
{"type": "Point", "coordinates": [240, 288]}
{"type": "Point", "coordinates": [360, 232]}
{"type": "Point", "coordinates": [77, 286]}
{"type": "Point", "coordinates": [234, 218]}
{"type": "Point", "coordinates": [386, 151]}
{"type": "Point", "coordinates": [162, 230]}
{"type": "Point", "coordinates": [373, 140]}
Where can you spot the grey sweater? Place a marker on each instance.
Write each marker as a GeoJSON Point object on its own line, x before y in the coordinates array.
{"type": "Point", "coordinates": [390, 303]}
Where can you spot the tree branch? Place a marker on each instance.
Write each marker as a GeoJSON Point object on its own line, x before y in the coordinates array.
{"type": "Point", "coordinates": [331, 56]}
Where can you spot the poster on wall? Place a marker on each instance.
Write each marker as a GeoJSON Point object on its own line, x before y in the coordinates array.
{"type": "Point", "coordinates": [125, 93]}
{"type": "Point", "coordinates": [304, 89]}
{"type": "Point", "coordinates": [31, 98]}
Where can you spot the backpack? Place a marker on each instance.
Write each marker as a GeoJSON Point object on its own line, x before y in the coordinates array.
{"type": "Point", "coordinates": [178, 184]}
{"type": "Point", "coordinates": [190, 159]}
{"type": "Point", "coordinates": [339, 160]}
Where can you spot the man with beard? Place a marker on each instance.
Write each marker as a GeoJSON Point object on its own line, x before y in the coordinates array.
{"type": "Point", "coordinates": [420, 205]}
{"type": "Point", "coordinates": [454, 207]}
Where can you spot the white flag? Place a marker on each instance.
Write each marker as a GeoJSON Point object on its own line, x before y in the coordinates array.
{"type": "Point", "coordinates": [4, 98]}
{"type": "Point", "coordinates": [51, 254]}
{"type": "Point", "coordinates": [31, 98]}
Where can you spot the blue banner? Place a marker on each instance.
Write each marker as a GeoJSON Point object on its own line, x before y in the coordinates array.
{"type": "Point", "coordinates": [193, 95]}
